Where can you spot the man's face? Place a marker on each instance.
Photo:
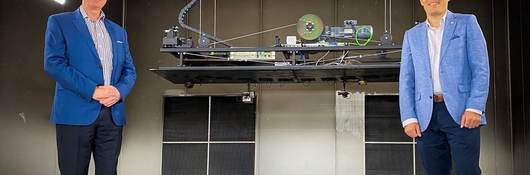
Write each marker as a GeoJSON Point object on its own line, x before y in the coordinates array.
{"type": "Point", "coordinates": [435, 7]}
{"type": "Point", "coordinates": [95, 4]}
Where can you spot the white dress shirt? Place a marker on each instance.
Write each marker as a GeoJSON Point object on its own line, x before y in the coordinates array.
{"type": "Point", "coordinates": [102, 42]}
{"type": "Point", "coordinates": [435, 37]}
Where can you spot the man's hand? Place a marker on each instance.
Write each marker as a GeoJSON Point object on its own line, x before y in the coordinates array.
{"type": "Point", "coordinates": [470, 120]}
{"type": "Point", "coordinates": [413, 130]}
{"type": "Point", "coordinates": [101, 93]}
{"type": "Point", "coordinates": [107, 95]}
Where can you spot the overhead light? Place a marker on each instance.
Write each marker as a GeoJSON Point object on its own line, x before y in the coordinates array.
{"type": "Point", "coordinates": [60, 1]}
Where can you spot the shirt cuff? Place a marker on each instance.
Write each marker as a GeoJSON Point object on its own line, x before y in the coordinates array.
{"type": "Point", "coordinates": [409, 121]}
{"type": "Point", "coordinates": [479, 112]}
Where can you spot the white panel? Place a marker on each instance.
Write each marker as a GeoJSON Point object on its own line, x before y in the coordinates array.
{"type": "Point", "coordinates": [349, 151]}
{"type": "Point", "coordinates": [296, 130]}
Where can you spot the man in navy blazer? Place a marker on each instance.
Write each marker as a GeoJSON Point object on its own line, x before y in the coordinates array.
{"type": "Point", "coordinates": [443, 87]}
{"type": "Point", "coordinates": [88, 56]}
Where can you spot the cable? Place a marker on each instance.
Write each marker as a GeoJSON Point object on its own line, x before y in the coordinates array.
{"type": "Point", "coordinates": [223, 58]}
{"type": "Point", "coordinates": [355, 60]}
{"type": "Point", "coordinates": [355, 57]}
{"type": "Point", "coordinates": [257, 33]}
{"type": "Point", "coordinates": [200, 18]}
{"type": "Point", "coordinates": [182, 18]}
{"type": "Point", "coordinates": [322, 58]}
{"type": "Point", "coordinates": [340, 59]}
{"type": "Point", "coordinates": [214, 19]}
{"type": "Point", "coordinates": [385, 17]}
{"type": "Point", "coordinates": [206, 56]}
{"type": "Point", "coordinates": [372, 40]}
{"type": "Point", "coordinates": [343, 56]}
{"type": "Point", "coordinates": [374, 54]}
{"type": "Point", "coordinates": [390, 16]}
{"type": "Point", "coordinates": [367, 40]}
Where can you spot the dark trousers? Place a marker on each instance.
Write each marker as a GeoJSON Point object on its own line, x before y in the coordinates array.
{"type": "Point", "coordinates": [445, 142]}
{"type": "Point", "coordinates": [75, 144]}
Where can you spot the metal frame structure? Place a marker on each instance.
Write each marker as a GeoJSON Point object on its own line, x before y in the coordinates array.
{"type": "Point", "coordinates": [196, 65]}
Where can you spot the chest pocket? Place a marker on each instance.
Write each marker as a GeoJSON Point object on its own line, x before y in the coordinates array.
{"type": "Point", "coordinates": [120, 50]}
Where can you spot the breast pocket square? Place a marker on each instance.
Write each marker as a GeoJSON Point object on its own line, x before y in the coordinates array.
{"type": "Point", "coordinates": [119, 42]}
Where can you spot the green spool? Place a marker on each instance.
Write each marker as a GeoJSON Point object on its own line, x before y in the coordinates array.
{"type": "Point", "coordinates": [310, 27]}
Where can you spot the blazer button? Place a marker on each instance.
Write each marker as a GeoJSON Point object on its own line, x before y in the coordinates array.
{"type": "Point", "coordinates": [430, 97]}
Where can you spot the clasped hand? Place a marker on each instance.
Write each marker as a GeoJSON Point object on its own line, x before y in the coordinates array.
{"type": "Point", "coordinates": [106, 95]}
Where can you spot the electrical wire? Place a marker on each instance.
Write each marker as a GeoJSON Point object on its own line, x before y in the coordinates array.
{"type": "Point", "coordinates": [200, 17]}
{"type": "Point", "coordinates": [256, 33]}
{"type": "Point", "coordinates": [322, 58]}
{"type": "Point", "coordinates": [374, 54]}
{"type": "Point", "coordinates": [214, 20]}
{"type": "Point", "coordinates": [385, 17]}
{"type": "Point", "coordinates": [360, 39]}
{"type": "Point", "coordinates": [343, 56]}
{"type": "Point", "coordinates": [390, 16]}
{"type": "Point", "coordinates": [223, 58]}
{"type": "Point", "coordinates": [367, 40]}
{"type": "Point", "coordinates": [354, 58]}
{"type": "Point", "coordinates": [340, 59]}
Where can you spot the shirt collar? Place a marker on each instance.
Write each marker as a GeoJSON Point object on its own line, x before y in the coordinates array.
{"type": "Point", "coordinates": [85, 16]}
{"type": "Point", "coordinates": [442, 22]}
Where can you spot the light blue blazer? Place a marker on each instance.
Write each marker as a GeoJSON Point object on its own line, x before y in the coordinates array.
{"type": "Point", "coordinates": [71, 59]}
{"type": "Point", "coordinates": [464, 70]}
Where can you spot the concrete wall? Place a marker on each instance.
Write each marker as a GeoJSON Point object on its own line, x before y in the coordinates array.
{"type": "Point", "coordinates": [28, 140]}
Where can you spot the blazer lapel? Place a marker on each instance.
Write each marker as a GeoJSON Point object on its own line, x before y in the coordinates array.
{"type": "Point", "coordinates": [449, 29]}
{"type": "Point", "coordinates": [423, 45]}
{"type": "Point", "coordinates": [113, 44]}
{"type": "Point", "coordinates": [85, 34]}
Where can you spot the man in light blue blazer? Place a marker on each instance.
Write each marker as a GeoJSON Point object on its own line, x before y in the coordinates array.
{"type": "Point", "coordinates": [88, 56]}
{"type": "Point", "coordinates": [443, 87]}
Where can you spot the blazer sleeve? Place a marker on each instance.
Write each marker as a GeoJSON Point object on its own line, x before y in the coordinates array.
{"type": "Point", "coordinates": [56, 63]}
{"type": "Point", "coordinates": [477, 54]}
{"type": "Point", "coordinates": [406, 83]}
{"type": "Point", "coordinates": [128, 74]}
